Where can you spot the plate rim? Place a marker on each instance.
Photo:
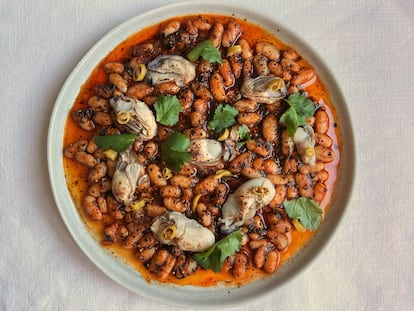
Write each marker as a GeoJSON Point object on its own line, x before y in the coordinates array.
{"type": "Point", "coordinates": [220, 296]}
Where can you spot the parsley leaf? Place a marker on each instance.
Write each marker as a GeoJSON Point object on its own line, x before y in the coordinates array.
{"type": "Point", "coordinates": [116, 142]}
{"type": "Point", "coordinates": [174, 151]}
{"type": "Point", "coordinates": [244, 135]}
{"type": "Point", "coordinates": [168, 109]}
{"type": "Point", "coordinates": [223, 118]}
{"type": "Point", "coordinates": [301, 108]}
{"type": "Point", "coordinates": [214, 257]}
{"type": "Point", "coordinates": [207, 51]}
{"type": "Point", "coordinates": [306, 210]}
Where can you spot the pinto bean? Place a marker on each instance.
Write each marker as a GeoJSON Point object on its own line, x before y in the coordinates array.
{"type": "Point", "coordinates": [247, 69]}
{"type": "Point", "coordinates": [175, 205]}
{"type": "Point", "coordinates": [323, 140]}
{"type": "Point", "coordinates": [261, 253]}
{"type": "Point", "coordinates": [247, 52]}
{"type": "Point", "coordinates": [183, 181]}
{"type": "Point", "coordinates": [246, 105]}
{"type": "Point", "coordinates": [291, 192]}
{"type": "Point", "coordinates": [290, 65]}
{"type": "Point", "coordinates": [113, 207]}
{"type": "Point", "coordinates": [206, 185]}
{"type": "Point", "coordinates": [167, 88]}
{"type": "Point", "coordinates": [97, 172]}
{"type": "Point", "coordinates": [268, 50]}
{"type": "Point", "coordinates": [275, 68]}
{"type": "Point", "coordinates": [148, 240]}
{"type": "Point", "coordinates": [290, 165]}
{"type": "Point", "coordinates": [170, 191]}
{"type": "Point", "coordinates": [286, 144]}
{"type": "Point", "coordinates": [216, 34]}
{"type": "Point", "coordinates": [250, 172]}
{"type": "Point", "coordinates": [259, 147]}
{"type": "Point", "coordinates": [227, 73]}
{"type": "Point", "coordinates": [161, 263]}
{"type": "Point", "coordinates": [306, 169]}
{"type": "Point", "coordinates": [236, 64]}
{"type": "Point", "coordinates": [269, 128]}
{"type": "Point", "coordinates": [280, 240]}
{"type": "Point", "coordinates": [150, 150]}
{"type": "Point", "coordinates": [73, 148]}
{"type": "Point", "coordinates": [139, 90]}
{"type": "Point", "coordinates": [85, 158]}
{"type": "Point", "coordinates": [260, 65]}
{"type": "Point", "coordinates": [195, 133]}
{"type": "Point", "coordinates": [154, 210]}
{"type": "Point", "coordinates": [200, 105]}
{"type": "Point", "coordinates": [186, 99]}
{"type": "Point", "coordinates": [170, 28]}
{"type": "Point", "coordinates": [304, 183]}
{"type": "Point", "coordinates": [91, 208]}
{"type": "Point", "coordinates": [240, 266]}
{"type": "Point", "coordinates": [217, 87]}
{"type": "Point", "coordinates": [155, 175]}
{"type": "Point", "coordinates": [272, 261]}
{"type": "Point", "coordinates": [188, 170]}
{"type": "Point", "coordinates": [114, 67]}
{"type": "Point", "coordinates": [202, 24]}
{"type": "Point", "coordinates": [290, 54]}
{"type": "Point", "coordinates": [241, 161]}
{"type": "Point", "coordinates": [84, 118]}
{"type": "Point", "coordinates": [279, 197]}
{"type": "Point", "coordinates": [324, 154]}
{"type": "Point", "coordinates": [248, 118]}
{"type": "Point", "coordinates": [231, 34]}
{"type": "Point", "coordinates": [145, 254]}
{"type": "Point", "coordinates": [119, 82]}
{"type": "Point", "coordinates": [197, 119]}
{"type": "Point", "coordinates": [103, 118]}
{"type": "Point", "coordinates": [321, 121]}
{"type": "Point", "coordinates": [98, 103]}
{"type": "Point", "coordinates": [201, 91]}
{"type": "Point", "coordinates": [321, 176]}
{"type": "Point", "coordinates": [271, 167]}
{"type": "Point", "coordinates": [220, 194]}
{"type": "Point", "coordinates": [319, 192]}
{"type": "Point", "coordinates": [303, 76]}
{"type": "Point", "coordinates": [204, 214]}
{"type": "Point", "coordinates": [277, 179]}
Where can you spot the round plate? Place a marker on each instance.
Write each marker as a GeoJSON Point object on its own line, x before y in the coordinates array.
{"type": "Point", "coordinates": [116, 268]}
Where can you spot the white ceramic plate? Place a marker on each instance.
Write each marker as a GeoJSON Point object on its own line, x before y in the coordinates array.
{"type": "Point", "coordinates": [124, 274]}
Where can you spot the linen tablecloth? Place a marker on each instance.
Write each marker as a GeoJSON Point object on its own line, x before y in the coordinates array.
{"type": "Point", "coordinates": [369, 262]}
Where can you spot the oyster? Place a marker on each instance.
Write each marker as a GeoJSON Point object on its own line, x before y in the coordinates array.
{"type": "Point", "coordinates": [264, 89]}
{"type": "Point", "coordinates": [242, 205]}
{"type": "Point", "coordinates": [139, 118]}
{"type": "Point", "coordinates": [125, 179]}
{"type": "Point", "coordinates": [207, 152]}
{"type": "Point", "coordinates": [174, 228]}
{"type": "Point", "coordinates": [304, 139]}
{"type": "Point", "coordinates": [167, 68]}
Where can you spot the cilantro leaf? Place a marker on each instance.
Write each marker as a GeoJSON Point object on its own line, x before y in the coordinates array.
{"type": "Point", "coordinates": [306, 210]}
{"type": "Point", "coordinates": [223, 118]}
{"type": "Point", "coordinates": [174, 151]}
{"type": "Point", "coordinates": [116, 142]}
{"type": "Point", "coordinates": [168, 109]}
{"type": "Point", "coordinates": [214, 257]}
{"type": "Point", "coordinates": [244, 135]}
{"type": "Point", "coordinates": [300, 109]}
{"type": "Point", "coordinates": [207, 51]}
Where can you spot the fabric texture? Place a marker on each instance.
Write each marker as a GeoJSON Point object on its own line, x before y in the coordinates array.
{"type": "Point", "coordinates": [367, 265]}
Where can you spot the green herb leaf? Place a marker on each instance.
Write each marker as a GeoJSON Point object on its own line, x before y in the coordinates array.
{"type": "Point", "coordinates": [224, 117]}
{"type": "Point", "coordinates": [207, 51]}
{"type": "Point", "coordinates": [214, 257]}
{"type": "Point", "coordinates": [168, 109]}
{"type": "Point", "coordinates": [116, 142]}
{"type": "Point", "coordinates": [244, 135]}
{"type": "Point", "coordinates": [174, 151]}
{"type": "Point", "coordinates": [300, 109]}
{"type": "Point", "coordinates": [306, 210]}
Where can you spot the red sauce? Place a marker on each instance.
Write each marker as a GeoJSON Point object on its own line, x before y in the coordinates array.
{"type": "Point", "coordinates": [76, 173]}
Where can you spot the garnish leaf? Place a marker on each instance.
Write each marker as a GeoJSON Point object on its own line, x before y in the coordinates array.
{"type": "Point", "coordinates": [167, 108]}
{"type": "Point", "coordinates": [214, 257]}
{"type": "Point", "coordinates": [244, 135]}
{"type": "Point", "coordinates": [224, 117]}
{"type": "Point", "coordinates": [115, 142]}
{"type": "Point", "coordinates": [207, 51]}
{"type": "Point", "coordinates": [300, 109]}
{"type": "Point", "coordinates": [174, 151]}
{"type": "Point", "coordinates": [306, 210]}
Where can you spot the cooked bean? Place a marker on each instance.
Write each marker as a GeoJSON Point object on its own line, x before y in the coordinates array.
{"type": "Point", "coordinates": [113, 207]}
{"type": "Point", "coordinates": [97, 172]}
{"type": "Point", "coordinates": [321, 176]}
{"type": "Point", "coordinates": [220, 194]}
{"type": "Point", "coordinates": [175, 205]}
{"type": "Point", "coordinates": [291, 54]}
{"type": "Point", "coordinates": [197, 119]}
{"type": "Point", "coordinates": [150, 150]}
{"type": "Point", "coordinates": [155, 175]}
{"type": "Point", "coordinates": [201, 91]}
{"type": "Point", "coordinates": [170, 28]}
{"type": "Point", "coordinates": [73, 148]}
{"type": "Point", "coordinates": [277, 179]}
{"type": "Point", "coordinates": [148, 240]}
{"type": "Point", "coordinates": [188, 170]}
{"type": "Point", "coordinates": [291, 192]}
{"type": "Point", "coordinates": [290, 65]}
{"type": "Point", "coordinates": [139, 90]}
{"type": "Point", "coordinates": [206, 185]}
{"type": "Point", "coordinates": [271, 167]}
{"type": "Point", "coordinates": [248, 118]}
{"type": "Point", "coordinates": [167, 88]}
{"type": "Point", "coordinates": [226, 73]}
{"type": "Point", "coordinates": [186, 99]}
{"type": "Point", "coordinates": [272, 261]}
{"type": "Point", "coordinates": [304, 183]}
{"type": "Point", "coordinates": [231, 34]}
{"type": "Point", "coordinates": [246, 105]}
{"type": "Point", "coordinates": [290, 165]}
{"type": "Point", "coordinates": [204, 214]}
{"type": "Point", "coordinates": [236, 63]}
{"type": "Point", "coordinates": [324, 154]}
{"type": "Point", "coordinates": [303, 76]}
{"type": "Point", "coordinates": [247, 69]}
{"type": "Point", "coordinates": [240, 266]}
{"type": "Point", "coordinates": [200, 105]}
{"type": "Point", "coordinates": [268, 50]}
{"type": "Point", "coordinates": [279, 197]}
{"type": "Point", "coordinates": [119, 82]}
{"type": "Point", "coordinates": [321, 122]}
{"type": "Point", "coordinates": [275, 68]}
{"type": "Point", "coordinates": [98, 103]}
{"type": "Point", "coordinates": [260, 254]}
{"type": "Point", "coordinates": [247, 53]}
{"type": "Point", "coordinates": [154, 210]}
{"type": "Point", "coordinates": [85, 158]}
{"type": "Point", "coordinates": [113, 67]}
{"type": "Point", "coordinates": [195, 133]}
{"type": "Point", "coordinates": [269, 128]}
{"type": "Point", "coordinates": [170, 191]}
{"type": "Point", "coordinates": [217, 87]}
{"type": "Point", "coordinates": [84, 119]}
{"type": "Point", "coordinates": [250, 172]}
{"type": "Point", "coordinates": [286, 144]}
{"type": "Point", "coordinates": [183, 181]}
{"type": "Point", "coordinates": [241, 161]}
{"type": "Point", "coordinates": [323, 139]}
{"type": "Point", "coordinates": [280, 240]}
{"type": "Point", "coordinates": [162, 263]}
{"type": "Point", "coordinates": [145, 254]}
{"type": "Point", "coordinates": [259, 147]}
{"type": "Point", "coordinates": [216, 34]}
{"type": "Point", "coordinates": [319, 192]}
{"type": "Point", "coordinates": [91, 208]}
{"type": "Point", "coordinates": [103, 118]}
{"type": "Point", "coordinates": [260, 65]}
{"type": "Point", "coordinates": [202, 24]}
{"type": "Point", "coordinates": [94, 190]}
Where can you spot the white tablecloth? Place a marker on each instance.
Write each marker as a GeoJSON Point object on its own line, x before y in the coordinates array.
{"type": "Point", "coordinates": [369, 262]}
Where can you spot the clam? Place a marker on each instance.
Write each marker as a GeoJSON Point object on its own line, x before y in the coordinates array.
{"type": "Point", "coordinates": [126, 175]}
{"type": "Point", "coordinates": [242, 205]}
{"type": "Point", "coordinates": [134, 116]}
{"type": "Point", "coordinates": [304, 140]}
{"type": "Point", "coordinates": [264, 89]}
{"type": "Point", "coordinates": [167, 68]}
{"type": "Point", "coordinates": [207, 152]}
{"type": "Point", "coordinates": [174, 228]}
